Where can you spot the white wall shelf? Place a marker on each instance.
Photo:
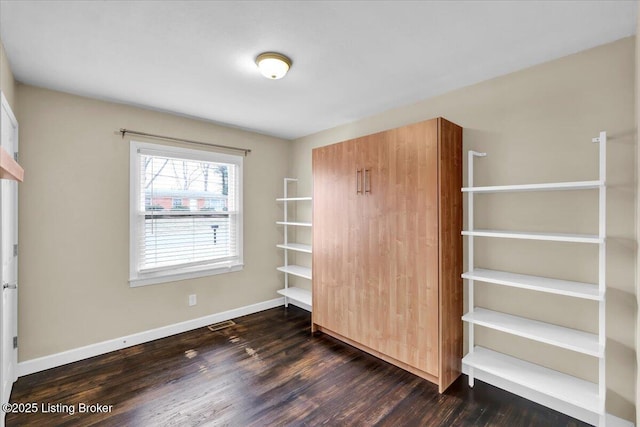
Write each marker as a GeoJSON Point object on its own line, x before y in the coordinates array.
{"type": "Point", "coordinates": [294, 199]}
{"type": "Point", "coordinates": [570, 389]}
{"type": "Point", "coordinates": [559, 336]}
{"type": "Point", "coordinates": [296, 270]}
{"type": "Point", "coordinates": [297, 247]}
{"type": "Point", "coordinates": [299, 295]}
{"type": "Point", "coordinates": [295, 224]}
{"type": "Point", "coordinates": [536, 283]}
{"type": "Point", "coordinates": [294, 295]}
{"type": "Point", "coordinates": [552, 388]}
{"type": "Point", "coordinates": [530, 235]}
{"type": "Point", "coordinates": [552, 186]}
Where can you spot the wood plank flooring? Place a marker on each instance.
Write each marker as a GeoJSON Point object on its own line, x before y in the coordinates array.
{"type": "Point", "coordinates": [267, 370]}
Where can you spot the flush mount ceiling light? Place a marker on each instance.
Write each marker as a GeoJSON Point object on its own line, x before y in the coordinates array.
{"type": "Point", "coordinates": [273, 65]}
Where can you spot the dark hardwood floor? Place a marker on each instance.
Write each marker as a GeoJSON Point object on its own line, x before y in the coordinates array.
{"type": "Point", "coordinates": [266, 370]}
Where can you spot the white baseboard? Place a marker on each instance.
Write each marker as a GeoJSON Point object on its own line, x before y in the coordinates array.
{"type": "Point", "coordinates": [545, 400]}
{"type": "Point", "coordinates": [47, 362]}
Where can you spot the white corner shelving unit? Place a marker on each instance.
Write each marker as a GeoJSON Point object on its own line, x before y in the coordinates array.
{"type": "Point", "coordinates": [565, 393]}
{"type": "Point", "coordinates": [293, 295]}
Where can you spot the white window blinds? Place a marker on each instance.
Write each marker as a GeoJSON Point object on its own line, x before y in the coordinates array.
{"type": "Point", "coordinates": [186, 213]}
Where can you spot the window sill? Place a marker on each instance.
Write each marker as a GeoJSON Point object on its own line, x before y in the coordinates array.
{"type": "Point", "coordinates": [181, 274]}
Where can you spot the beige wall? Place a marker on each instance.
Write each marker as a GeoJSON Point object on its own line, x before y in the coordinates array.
{"type": "Point", "coordinates": [74, 224]}
{"type": "Point", "coordinates": [638, 216]}
{"type": "Point", "coordinates": [7, 82]}
{"type": "Point", "coordinates": [536, 126]}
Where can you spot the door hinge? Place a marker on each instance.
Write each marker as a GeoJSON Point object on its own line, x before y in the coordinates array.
{"type": "Point", "coordinates": [15, 250]}
{"type": "Point", "coordinates": [15, 342]}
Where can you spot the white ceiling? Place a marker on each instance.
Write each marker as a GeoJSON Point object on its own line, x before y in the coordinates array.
{"type": "Point", "coordinates": [351, 59]}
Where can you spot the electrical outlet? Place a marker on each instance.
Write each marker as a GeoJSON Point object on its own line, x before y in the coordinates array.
{"type": "Point", "coordinates": [192, 299]}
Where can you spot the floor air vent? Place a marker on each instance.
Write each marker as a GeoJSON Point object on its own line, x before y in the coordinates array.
{"type": "Point", "coordinates": [221, 325]}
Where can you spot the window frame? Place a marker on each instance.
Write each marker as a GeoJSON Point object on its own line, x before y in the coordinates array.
{"type": "Point", "coordinates": [176, 273]}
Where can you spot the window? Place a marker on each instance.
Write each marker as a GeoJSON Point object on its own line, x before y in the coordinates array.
{"type": "Point", "coordinates": [216, 204]}
{"type": "Point", "coordinates": [185, 213]}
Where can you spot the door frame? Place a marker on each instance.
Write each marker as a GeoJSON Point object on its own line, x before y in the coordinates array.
{"type": "Point", "coordinates": [13, 369]}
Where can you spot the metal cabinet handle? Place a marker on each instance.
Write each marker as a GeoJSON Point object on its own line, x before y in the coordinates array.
{"type": "Point", "coordinates": [358, 186]}
{"type": "Point", "coordinates": [8, 286]}
{"type": "Point", "coordinates": [367, 182]}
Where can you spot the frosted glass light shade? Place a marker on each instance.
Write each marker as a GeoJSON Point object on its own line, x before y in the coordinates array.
{"type": "Point", "coordinates": [273, 65]}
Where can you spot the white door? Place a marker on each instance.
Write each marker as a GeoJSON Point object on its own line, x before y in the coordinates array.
{"type": "Point", "coordinates": [8, 252]}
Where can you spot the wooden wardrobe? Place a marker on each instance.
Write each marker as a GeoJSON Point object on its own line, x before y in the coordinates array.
{"type": "Point", "coordinates": [387, 246]}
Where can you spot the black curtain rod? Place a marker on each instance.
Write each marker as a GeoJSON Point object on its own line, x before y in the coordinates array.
{"type": "Point", "coordinates": [188, 141]}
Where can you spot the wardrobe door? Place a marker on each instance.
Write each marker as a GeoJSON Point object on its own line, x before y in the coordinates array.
{"type": "Point", "coordinates": [337, 187]}
{"type": "Point", "coordinates": [409, 261]}
{"type": "Point", "coordinates": [366, 325]}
